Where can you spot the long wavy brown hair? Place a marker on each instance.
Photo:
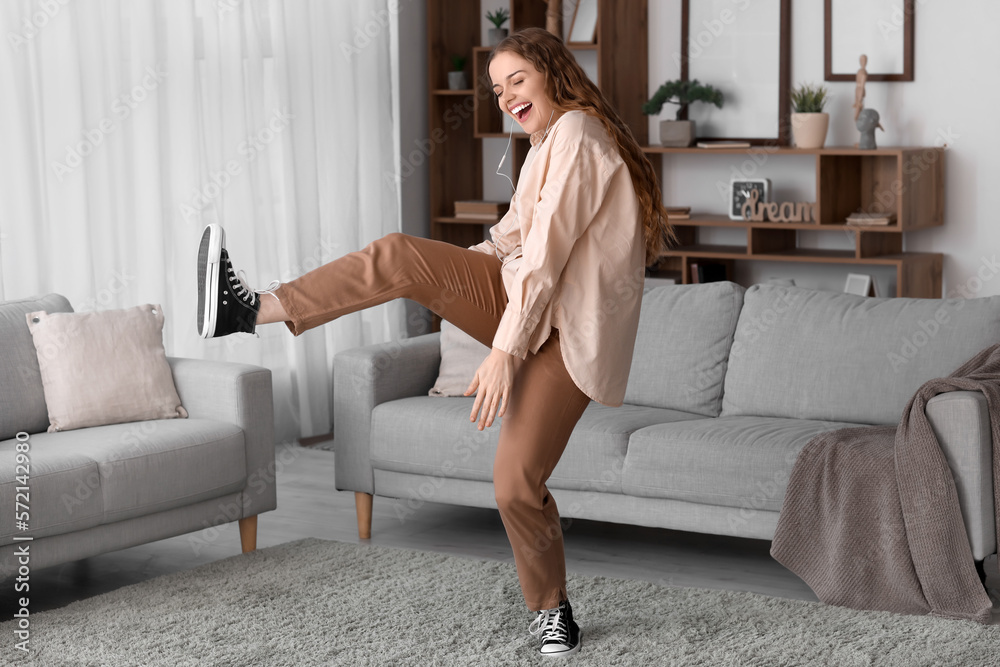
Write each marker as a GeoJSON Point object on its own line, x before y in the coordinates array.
{"type": "Point", "coordinates": [569, 88]}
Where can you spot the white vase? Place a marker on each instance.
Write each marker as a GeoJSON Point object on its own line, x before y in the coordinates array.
{"type": "Point", "coordinates": [809, 129]}
{"type": "Point", "coordinates": [497, 35]}
{"type": "Point", "coordinates": [677, 133]}
{"type": "Point", "coordinates": [456, 81]}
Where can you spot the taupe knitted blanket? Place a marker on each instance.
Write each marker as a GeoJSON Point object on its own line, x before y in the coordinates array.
{"type": "Point", "coordinates": [871, 518]}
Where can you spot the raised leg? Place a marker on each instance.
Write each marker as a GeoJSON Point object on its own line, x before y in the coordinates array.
{"type": "Point", "coordinates": [462, 286]}
{"type": "Point", "coordinates": [248, 533]}
{"type": "Point", "coordinates": [363, 503]}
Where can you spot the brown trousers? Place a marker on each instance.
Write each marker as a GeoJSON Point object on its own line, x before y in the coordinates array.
{"type": "Point", "coordinates": [465, 287]}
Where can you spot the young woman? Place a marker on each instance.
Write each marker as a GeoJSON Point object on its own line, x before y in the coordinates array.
{"type": "Point", "coordinates": [554, 292]}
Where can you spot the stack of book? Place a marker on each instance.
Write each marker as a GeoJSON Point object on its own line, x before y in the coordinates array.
{"type": "Point", "coordinates": [723, 144]}
{"type": "Point", "coordinates": [861, 218]}
{"type": "Point", "coordinates": [481, 210]}
{"type": "Point", "coordinates": [678, 212]}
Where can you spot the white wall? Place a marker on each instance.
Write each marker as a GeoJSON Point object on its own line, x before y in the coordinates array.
{"type": "Point", "coordinates": [954, 94]}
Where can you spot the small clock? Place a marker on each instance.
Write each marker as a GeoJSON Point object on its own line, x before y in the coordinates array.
{"type": "Point", "coordinates": [739, 193]}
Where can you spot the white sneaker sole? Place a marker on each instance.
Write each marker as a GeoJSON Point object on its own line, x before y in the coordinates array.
{"type": "Point", "coordinates": [560, 654]}
{"type": "Point", "coordinates": [209, 263]}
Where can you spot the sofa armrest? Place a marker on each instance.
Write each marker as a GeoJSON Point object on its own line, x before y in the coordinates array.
{"type": "Point", "coordinates": [365, 377]}
{"type": "Point", "coordinates": [961, 422]}
{"type": "Point", "coordinates": [239, 394]}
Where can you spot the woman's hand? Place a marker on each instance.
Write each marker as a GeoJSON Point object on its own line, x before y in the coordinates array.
{"type": "Point", "coordinates": [494, 380]}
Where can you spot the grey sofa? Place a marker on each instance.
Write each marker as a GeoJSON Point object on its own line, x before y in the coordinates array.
{"type": "Point", "coordinates": [726, 386]}
{"type": "Point", "coordinates": [104, 488]}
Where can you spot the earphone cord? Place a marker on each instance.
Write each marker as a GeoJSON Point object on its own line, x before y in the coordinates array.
{"type": "Point", "coordinates": [499, 166]}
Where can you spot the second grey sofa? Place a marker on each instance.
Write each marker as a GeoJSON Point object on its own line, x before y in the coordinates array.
{"type": "Point", "coordinates": [726, 386]}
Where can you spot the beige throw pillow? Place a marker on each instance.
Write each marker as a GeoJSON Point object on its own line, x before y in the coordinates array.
{"type": "Point", "coordinates": [104, 368]}
{"type": "Point", "coordinates": [461, 356]}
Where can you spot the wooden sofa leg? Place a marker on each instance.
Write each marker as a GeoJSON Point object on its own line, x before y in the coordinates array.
{"type": "Point", "coordinates": [363, 504]}
{"type": "Point", "coordinates": [248, 533]}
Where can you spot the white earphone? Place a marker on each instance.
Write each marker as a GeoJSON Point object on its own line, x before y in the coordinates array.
{"type": "Point", "coordinates": [504, 158]}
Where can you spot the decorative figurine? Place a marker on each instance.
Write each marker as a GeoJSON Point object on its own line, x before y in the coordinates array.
{"type": "Point", "coordinates": [867, 122]}
{"type": "Point", "coordinates": [859, 92]}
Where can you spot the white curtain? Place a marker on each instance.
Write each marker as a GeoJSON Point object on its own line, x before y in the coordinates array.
{"type": "Point", "coordinates": [128, 125]}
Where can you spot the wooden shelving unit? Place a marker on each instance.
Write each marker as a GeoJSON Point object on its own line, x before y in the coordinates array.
{"type": "Point", "coordinates": [908, 182]}
{"type": "Point", "coordinates": [847, 179]}
{"type": "Point", "coordinates": [461, 119]}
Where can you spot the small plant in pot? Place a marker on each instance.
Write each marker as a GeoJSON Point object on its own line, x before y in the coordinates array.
{"type": "Point", "coordinates": [680, 133]}
{"type": "Point", "coordinates": [497, 18]}
{"type": "Point", "coordinates": [456, 77]}
{"type": "Point", "coordinates": [809, 122]}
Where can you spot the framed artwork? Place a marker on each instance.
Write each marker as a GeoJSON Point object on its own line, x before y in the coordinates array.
{"type": "Point", "coordinates": [882, 30]}
{"type": "Point", "coordinates": [583, 29]}
{"type": "Point", "coordinates": [745, 52]}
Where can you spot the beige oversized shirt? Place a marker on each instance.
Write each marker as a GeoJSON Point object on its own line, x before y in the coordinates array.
{"type": "Point", "coordinates": [573, 256]}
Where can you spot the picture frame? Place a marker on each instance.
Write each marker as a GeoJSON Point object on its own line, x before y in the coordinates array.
{"type": "Point", "coordinates": [861, 284]}
{"type": "Point", "coordinates": [880, 29]}
{"type": "Point", "coordinates": [744, 51]}
{"type": "Point", "coordinates": [583, 28]}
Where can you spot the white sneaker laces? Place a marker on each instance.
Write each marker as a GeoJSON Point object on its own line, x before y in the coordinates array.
{"type": "Point", "coordinates": [548, 624]}
{"type": "Point", "coordinates": [245, 290]}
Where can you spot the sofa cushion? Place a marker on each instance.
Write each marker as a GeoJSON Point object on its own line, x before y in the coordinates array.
{"type": "Point", "coordinates": [433, 436]}
{"type": "Point", "coordinates": [738, 462]}
{"type": "Point", "coordinates": [64, 489]}
{"type": "Point", "coordinates": [461, 357]}
{"type": "Point", "coordinates": [682, 345]}
{"type": "Point", "coordinates": [21, 394]}
{"type": "Point", "coordinates": [104, 368]}
{"type": "Point", "coordinates": [99, 475]}
{"type": "Point", "coordinates": [807, 354]}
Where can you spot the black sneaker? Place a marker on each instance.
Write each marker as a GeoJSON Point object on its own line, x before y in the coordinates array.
{"type": "Point", "coordinates": [225, 303]}
{"type": "Point", "coordinates": [560, 633]}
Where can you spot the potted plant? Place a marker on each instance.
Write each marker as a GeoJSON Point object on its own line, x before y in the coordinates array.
{"type": "Point", "coordinates": [680, 133]}
{"type": "Point", "coordinates": [456, 77]}
{"type": "Point", "coordinates": [497, 18]}
{"type": "Point", "coordinates": [809, 122]}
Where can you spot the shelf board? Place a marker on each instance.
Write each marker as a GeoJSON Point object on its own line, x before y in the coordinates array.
{"type": "Point", "coordinates": [448, 91]}
{"type": "Point", "coordinates": [582, 47]}
{"type": "Point", "coordinates": [711, 251]}
{"type": "Point", "coordinates": [786, 150]}
{"type": "Point", "coordinates": [793, 255]}
{"type": "Point", "coordinates": [709, 220]}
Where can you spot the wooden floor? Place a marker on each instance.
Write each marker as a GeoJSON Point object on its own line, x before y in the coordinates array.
{"type": "Point", "coordinates": [308, 506]}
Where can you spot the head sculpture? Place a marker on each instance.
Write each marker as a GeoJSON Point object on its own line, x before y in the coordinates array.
{"type": "Point", "coordinates": [868, 121]}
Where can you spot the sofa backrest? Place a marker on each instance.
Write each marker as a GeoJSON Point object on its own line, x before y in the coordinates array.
{"type": "Point", "coordinates": [22, 399]}
{"type": "Point", "coordinates": [808, 354]}
{"type": "Point", "coordinates": [685, 332]}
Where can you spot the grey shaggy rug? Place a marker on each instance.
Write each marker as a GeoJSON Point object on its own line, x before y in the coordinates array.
{"type": "Point", "coordinates": [316, 602]}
